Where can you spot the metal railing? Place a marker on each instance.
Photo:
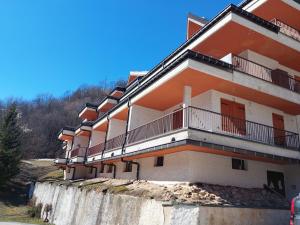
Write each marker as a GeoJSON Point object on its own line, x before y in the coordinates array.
{"type": "Point", "coordinates": [165, 124]}
{"type": "Point", "coordinates": [204, 120]}
{"type": "Point", "coordinates": [213, 122]}
{"type": "Point", "coordinates": [96, 149]}
{"type": "Point", "coordinates": [201, 119]}
{"type": "Point", "coordinates": [286, 29]}
{"type": "Point", "coordinates": [277, 77]}
{"type": "Point", "coordinates": [115, 142]}
{"type": "Point", "coordinates": [78, 152]}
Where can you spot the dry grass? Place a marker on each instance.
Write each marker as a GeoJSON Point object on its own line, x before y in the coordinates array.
{"type": "Point", "coordinates": [13, 196]}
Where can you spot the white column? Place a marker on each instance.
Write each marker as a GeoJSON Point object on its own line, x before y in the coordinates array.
{"type": "Point", "coordinates": [187, 101]}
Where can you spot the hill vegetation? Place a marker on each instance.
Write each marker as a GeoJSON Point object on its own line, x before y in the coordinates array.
{"type": "Point", "coordinates": [43, 117]}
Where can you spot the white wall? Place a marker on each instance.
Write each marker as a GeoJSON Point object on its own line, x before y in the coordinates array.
{"type": "Point", "coordinates": [255, 112]}
{"type": "Point", "coordinates": [97, 137]}
{"type": "Point", "coordinates": [268, 62]}
{"type": "Point", "coordinates": [140, 115]}
{"type": "Point", "coordinates": [116, 127]}
{"type": "Point", "coordinates": [189, 166]}
{"type": "Point", "coordinates": [292, 177]}
{"type": "Point", "coordinates": [80, 141]}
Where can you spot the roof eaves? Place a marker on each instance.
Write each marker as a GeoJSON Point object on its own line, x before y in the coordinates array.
{"type": "Point", "coordinates": [228, 9]}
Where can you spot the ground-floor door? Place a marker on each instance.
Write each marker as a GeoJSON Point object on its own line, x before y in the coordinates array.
{"type": "Point", "coordinates": [276, 181]}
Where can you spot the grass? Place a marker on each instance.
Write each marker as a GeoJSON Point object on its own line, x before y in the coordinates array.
{"type": "Point", "coordinates": [56, 175]}
{"type": "Point", "coordinates": [119, 189]}
{"type": "Point", "coordinates": [13, 196]}
{"type": "Point", "coordinates": [21, 219]}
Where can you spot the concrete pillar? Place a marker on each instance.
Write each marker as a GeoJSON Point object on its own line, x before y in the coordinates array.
{"type": "Point", "coordinates": [187, 101]}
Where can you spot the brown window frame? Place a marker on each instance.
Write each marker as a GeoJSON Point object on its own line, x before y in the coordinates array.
{"type": "Point", "coordinates": [159, 161]}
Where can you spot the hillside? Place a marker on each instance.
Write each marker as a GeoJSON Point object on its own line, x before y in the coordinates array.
{"type": "Point", "coordinates": [43, 117]}
{"type": "Point", "coordinates": [13, 197]}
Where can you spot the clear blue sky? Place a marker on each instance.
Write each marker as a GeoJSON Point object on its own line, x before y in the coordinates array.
{"type": "Point", "coordinates": [52, 46]}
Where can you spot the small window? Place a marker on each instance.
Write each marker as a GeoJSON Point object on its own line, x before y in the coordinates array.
{"type": "Point", "coordinates": [159, 161]}
{"type": "Point", "coordinates": [101, 168]}
{"type": "Point", "coordinates": [128, 167]}
{"type": "Point", "coordinates": [68, 170]}
{"type": "Point", "coordinates": [238, 164]}
{"type": "Point", "coordinates": [109, 169]}
{"type": "Point", "coordinates": [91, 169]}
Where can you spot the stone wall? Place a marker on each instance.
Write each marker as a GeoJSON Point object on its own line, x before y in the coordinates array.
{"type": "Point", "coordinates": [73, 206]}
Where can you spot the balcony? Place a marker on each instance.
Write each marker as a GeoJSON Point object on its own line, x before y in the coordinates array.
{"type": "Point", "coordinates": [286, 29]}
{"type": "Point", "coordinates": [77, 155]}
{"type": "Point", "coordinates": [277, 77]}
{"type": "Point", "coordinates": [95, 150]}
{"type": "Point", "coordinates": [212, 122]}
{"type": "Point", "coordinates": [60, 161]}
{"type": "Point", "coordinates": [116, 142]}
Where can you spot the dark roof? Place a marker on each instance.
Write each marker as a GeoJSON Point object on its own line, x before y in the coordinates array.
{"type": "Point", "coordinates": [231, 8]}
{"type": "Point", "coordinates": [244, 3]}
{"type": "Point", "coordinates": [69, 128]}
{"type": "Point", "coordinates": [122, 89]}
{"type": "Point", "coordinates": [107, 97]}
{"type": "Point", "coordinates": [90, 105]}
{"type": "Point", "coordinates": [189, 54]}
{"type": "Point", "coordinates": [72, 129]}
{"type": "Point", "coordinates": [198, 18]}
{"type": "Point", "coordinates": [87, 123]}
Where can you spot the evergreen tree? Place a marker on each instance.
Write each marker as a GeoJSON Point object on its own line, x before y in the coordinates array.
{"type": "Point", "coordinates": [10, 154]}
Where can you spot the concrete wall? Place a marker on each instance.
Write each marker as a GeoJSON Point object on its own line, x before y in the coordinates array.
{"type": "Point", "coordinates": [116, 128]}
{"type": "Point", "coordinates": [97, 137]}
{"type": "Point", "coordinates": [140, 115]}
{"type": "Point", "coordinates": [211, 100]}
{"type": "Point", "coordinates": [189, 166]}
{"type": "Point", "coordinates": [255, 112]}
{"type": "Point", "coordinates": [268, 62]}
{"type": "Point", "coordinates": [292, 180]}
{"type": "Point", "coordinates": [72, 206]}
{"type": "Point", "coordinates": [81, 141]}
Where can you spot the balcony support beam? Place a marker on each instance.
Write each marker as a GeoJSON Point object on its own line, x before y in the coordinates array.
{"type": "Point", "coordinates": [187, 101]}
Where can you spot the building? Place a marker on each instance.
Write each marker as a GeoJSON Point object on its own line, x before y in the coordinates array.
{"type": "Point", "coordinates": [223, 108]}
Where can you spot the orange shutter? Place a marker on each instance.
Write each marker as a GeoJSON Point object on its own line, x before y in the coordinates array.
{"type": "Point", "coordinates": [233, 117]}
{"type": "Point", "coordinates": [279, 133]}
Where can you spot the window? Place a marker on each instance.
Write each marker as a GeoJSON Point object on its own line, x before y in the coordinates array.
{"type": "Point", "coordinates": [128, 167]}
{"type": "Point", "coordinates": [159, 161]}
{"type": "Point", "coordinates": [91, 169]}
{"type": "Point", "coordinates": [109, 169]}
{"type": "Point", "coordinates": [68, 170]}
{"type": "Point", "coordinates": [238, 164]}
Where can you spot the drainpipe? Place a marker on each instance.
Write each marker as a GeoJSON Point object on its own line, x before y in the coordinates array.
{"type": "Point", "coordinates": [74, 170]}
{"type": "Point", "coordinates": [96, 170]}
{"type": "Point", "coordinates": [85, 154]}
{"type": "Point", "coordinates": [137, 167]}
{"type": "Point", "coordinates": [105, 139]}
{"type": "Point", "coordinates": [127, 125]}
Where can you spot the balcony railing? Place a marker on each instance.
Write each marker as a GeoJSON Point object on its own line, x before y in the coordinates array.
{"type": "Point", "coordinates": [115, 142]}
{"type": "Point", "coordinates": [278, 77]}
{"type": "Point", "coordinates": [78, 152]}
{"type": "Point", "coordinates": [95, 149]}
{"type": "Point", "coordinates": [165, 124]}
{"type": "Point", "coordinates": [213, 122]}
{"type": "Point", "coordinates": [208, 121]}
{"type": "Point", "coordinates": [201, 119]}
{"type": "Point", "coordinates": [287, 30]}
